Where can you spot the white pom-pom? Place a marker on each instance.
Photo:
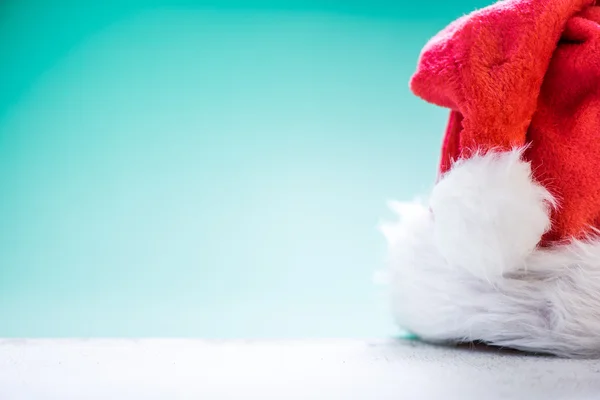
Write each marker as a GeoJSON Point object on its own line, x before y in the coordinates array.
{"type": "Point", "coordinates": [489, 213]}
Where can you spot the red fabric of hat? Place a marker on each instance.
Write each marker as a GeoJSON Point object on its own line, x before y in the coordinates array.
{"type": "Point", "coordinates": [525, 73]}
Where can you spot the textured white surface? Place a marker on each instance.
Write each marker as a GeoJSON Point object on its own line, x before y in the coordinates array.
{"type": "Point", "coordinates": [327, 369]}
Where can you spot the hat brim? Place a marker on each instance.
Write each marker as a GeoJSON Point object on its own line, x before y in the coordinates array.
{"type": "Point", "coordinates": [467, 266]}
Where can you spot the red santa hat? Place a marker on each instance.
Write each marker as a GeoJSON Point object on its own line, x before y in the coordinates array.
{"type": "Point", "coordinates": [506, 250]}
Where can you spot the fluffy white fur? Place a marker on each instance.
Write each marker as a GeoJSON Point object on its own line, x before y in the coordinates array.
{"type": "Point", "coordinates": [466, 267]}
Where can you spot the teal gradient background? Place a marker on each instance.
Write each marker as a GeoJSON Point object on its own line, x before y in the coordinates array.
{"type": "Point", "coordinates": [211, 169]}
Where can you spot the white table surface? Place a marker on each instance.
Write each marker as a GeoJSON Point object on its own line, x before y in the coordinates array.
{"type": "Point", "coordinates": [312, 369]}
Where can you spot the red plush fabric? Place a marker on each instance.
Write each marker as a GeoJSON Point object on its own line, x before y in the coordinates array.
{"type": "Point", "coordinates": [525, 72]}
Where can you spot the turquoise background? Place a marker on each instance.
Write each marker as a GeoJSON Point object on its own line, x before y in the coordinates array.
{"type": "Point", "coordinates": [212, 169]}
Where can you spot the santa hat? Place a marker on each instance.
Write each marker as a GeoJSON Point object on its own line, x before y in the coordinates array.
{"type": "Point", "coordinates": [506, 251]}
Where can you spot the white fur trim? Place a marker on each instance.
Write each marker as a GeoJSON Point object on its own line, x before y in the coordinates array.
{"type": "Point", "coordinates": [467, 268]}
